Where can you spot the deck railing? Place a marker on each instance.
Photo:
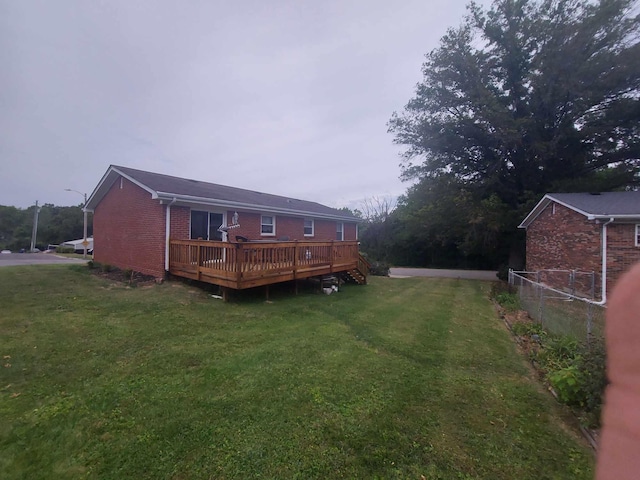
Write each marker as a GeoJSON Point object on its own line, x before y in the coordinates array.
{"type": "Point", "coordinates": [250, 264]}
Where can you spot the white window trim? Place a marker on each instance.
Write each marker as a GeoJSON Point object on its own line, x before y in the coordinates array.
{"type": "Point", "coordinates": [274, 226]}
{"type": "Point", "coordinates": [313, 227]}
{"type": "Point", "coordinates": [637, 234]}
{"type": "Point", "coordinates": [341, 239]}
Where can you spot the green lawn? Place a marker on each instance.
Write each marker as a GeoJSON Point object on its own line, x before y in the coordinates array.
{"type": "Point", "coordinates": [402, 378]}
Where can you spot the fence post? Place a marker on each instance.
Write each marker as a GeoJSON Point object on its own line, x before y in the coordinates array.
{"type": "Point", "coordinates": [589, 322]}
{"type": "Point", "coordinates": [572, 282]}
{"type": "Point", "coordinates": [540, 305]}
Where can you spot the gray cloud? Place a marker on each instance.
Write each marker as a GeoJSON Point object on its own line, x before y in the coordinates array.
{"type": "Point", "coordinates": [285, 97]}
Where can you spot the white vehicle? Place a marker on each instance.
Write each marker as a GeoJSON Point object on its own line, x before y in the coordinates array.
{"type": "Point", "coordinates": [5, 251]}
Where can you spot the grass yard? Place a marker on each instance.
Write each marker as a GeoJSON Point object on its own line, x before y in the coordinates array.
{"type": "Point", "coordinates": [402, 378]}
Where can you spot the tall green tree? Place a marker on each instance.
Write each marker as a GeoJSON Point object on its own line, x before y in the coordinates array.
{"type": "Point", "coordinates": [524, 98]}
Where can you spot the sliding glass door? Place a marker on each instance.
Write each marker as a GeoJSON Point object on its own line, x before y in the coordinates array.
{"type": "Point", "coordinates": [204, 225]}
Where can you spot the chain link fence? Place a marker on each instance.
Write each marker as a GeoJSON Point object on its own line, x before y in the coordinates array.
{"type": "Point", "coordinates": [562, 311]}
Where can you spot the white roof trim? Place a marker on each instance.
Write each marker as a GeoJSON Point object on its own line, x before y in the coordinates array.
{"type": "Point", "coordinates": [252, 207]}
{"type": "Point", "coordinates": [153, 193]}
{"type": "Point", "coordinates": [542, 204]}
{"type": "Point", "coordinates": [547, 199]}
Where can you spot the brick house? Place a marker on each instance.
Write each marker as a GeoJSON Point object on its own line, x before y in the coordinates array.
{"type": "Point", "coordinates": [136, 213]}
{"type": "Point", "coordinates": [587, 232]}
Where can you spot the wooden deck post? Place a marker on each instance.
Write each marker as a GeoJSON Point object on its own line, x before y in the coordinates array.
{"type": "Point", "coordinates": [239, 261]}
{"type": "Point", "coordinates": [198, 262]}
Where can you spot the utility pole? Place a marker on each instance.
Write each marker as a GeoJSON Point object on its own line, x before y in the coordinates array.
{"type": "Point", "coordinates": [85, 242]}
{"type": "Point", "coordinates": [34, 232]}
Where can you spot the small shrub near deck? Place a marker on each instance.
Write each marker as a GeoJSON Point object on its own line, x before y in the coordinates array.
{"type": "Point", "coordinates": [380, 269]}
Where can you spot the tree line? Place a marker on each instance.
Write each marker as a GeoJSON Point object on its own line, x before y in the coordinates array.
{"type": "Point", "coordinates": [55, 226]}
{"type": "Point", "coordinates": [522, 99]}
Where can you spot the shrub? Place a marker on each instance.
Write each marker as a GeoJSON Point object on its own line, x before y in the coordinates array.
{"type": "Point", "coordinates": [567, 382]}
{"type": "Point", "coordinates": [65, 249]}
{"type": "Point", "coordinates": [577, 373]}
{"type": "Point", "coordinates": [380, 269]}
{"type": "Point", "coordinates": [106, 268]}
{"type": "Point", "coordinates": [508, 301]}
{"type": "Point", "coordinates": [591, 366]}
{"type": "Point", "coordinates": [528, 329]}
{"type": "Point", "coordinates": [503, 272]}
{"type": "Point", "coordinates": [558, 353]}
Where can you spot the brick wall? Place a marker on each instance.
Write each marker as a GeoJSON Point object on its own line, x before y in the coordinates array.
{"type": "Point", "coordinates": [621, 251]}
{"type": "Point", "coordinates": [180, 223]}
{"type": "Point", "coordinates": [325, 230]}
{"type": "Point", "coordinates": [292, 227]}
{"type": "Point", "coordinates": [129, 230]}
{"type": "Point", "coordinates": [350, 231]}
{"type": "Point", "coordinates": [562, 239]}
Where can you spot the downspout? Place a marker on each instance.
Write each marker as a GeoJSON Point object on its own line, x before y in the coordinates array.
{"type": "Point", "coordinates": [604, 263]}
{"type": "Point", "coordinates": [167, 234]}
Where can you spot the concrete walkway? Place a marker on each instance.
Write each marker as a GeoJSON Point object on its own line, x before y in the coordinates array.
{"type": "Point", "coordinates": [13, 259]}
{"type": "Point", "coordinates": [443, 273]}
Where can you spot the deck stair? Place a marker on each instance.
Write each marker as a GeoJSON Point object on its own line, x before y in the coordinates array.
{"type": "Point", "coordinates": [360, 272]}
{"type": "Point", "coordinates": [355, 275]}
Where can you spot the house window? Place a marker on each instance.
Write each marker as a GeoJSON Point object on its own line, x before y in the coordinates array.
{"type": "Point", "coordinates": [205, 225]}
{"type": "Point", "coordinates": [339, 231]}
{"type": "Point", "coordinates": [638, 235]}
{"type": "Point", "coordinates": [308, 227]}
{"type": "Point", "coordinates": [267, 225]}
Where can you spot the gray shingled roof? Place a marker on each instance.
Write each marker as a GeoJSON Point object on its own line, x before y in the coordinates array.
{"type": "Point", "coordinates": [605, 203]}
{"type": "Point", "coordinates": [620, 205]}
{"type": "Point", "coordinates": [166, 185]}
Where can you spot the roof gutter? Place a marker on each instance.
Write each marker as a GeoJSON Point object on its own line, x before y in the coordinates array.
{"type": "Point", "coordinates": [249, 206]}
{"type": "Point", "coordinates": [604, 263]}
{"type": "Point", "coordinates": [611, 217]}
{"type": "Point", "coordinates": [167, 234]}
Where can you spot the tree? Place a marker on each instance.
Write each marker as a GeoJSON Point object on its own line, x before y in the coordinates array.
{"type": "Point", "coordinates": [376, 232]}
{"type": "Point", "coordinates": [525, 98]}
{"type": "Point", "coordinates": [55, 225]}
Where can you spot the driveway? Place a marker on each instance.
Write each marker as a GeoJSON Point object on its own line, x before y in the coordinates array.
{"type": "Point", "coordinates": [443, 273]}
{"type": "Point", "coordinates": [7, 259]}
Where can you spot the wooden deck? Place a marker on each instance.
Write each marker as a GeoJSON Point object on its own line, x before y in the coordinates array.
{"type": "Point", "coordinates": [253, 264]}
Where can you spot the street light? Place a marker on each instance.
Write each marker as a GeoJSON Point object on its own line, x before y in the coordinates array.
{"type": "Point", "coordinates": [85, 242]}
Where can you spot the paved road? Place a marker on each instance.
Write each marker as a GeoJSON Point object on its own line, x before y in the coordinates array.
{"type": "Point", "coordinates": [443, 273]}
{"type": "Point", "coordinates": [7, 259]}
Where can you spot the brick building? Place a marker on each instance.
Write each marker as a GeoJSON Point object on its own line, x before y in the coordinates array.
{"type": "Point", "coordinates": [586, 232]}
{"type": "Point", "coordinates": [136, 213]}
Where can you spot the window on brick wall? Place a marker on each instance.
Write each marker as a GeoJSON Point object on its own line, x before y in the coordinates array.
{"type": "Point", "coordinates": [205, 225]}
{"type": "Point", "coordinates": [308, 227]}
{"type": "Point", "coordinates": [267, 225]}
{"type": "Point", "coordinates": [637, 235]}
{"type": "Point", "coordinates": [339, 231]}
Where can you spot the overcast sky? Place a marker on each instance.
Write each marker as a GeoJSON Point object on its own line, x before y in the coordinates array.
{"type": "Point", "coordinates": [284, 97]}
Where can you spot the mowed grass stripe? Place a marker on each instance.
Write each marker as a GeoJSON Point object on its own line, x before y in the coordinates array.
{"type": "Point", "coordinates": [397, 379]}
